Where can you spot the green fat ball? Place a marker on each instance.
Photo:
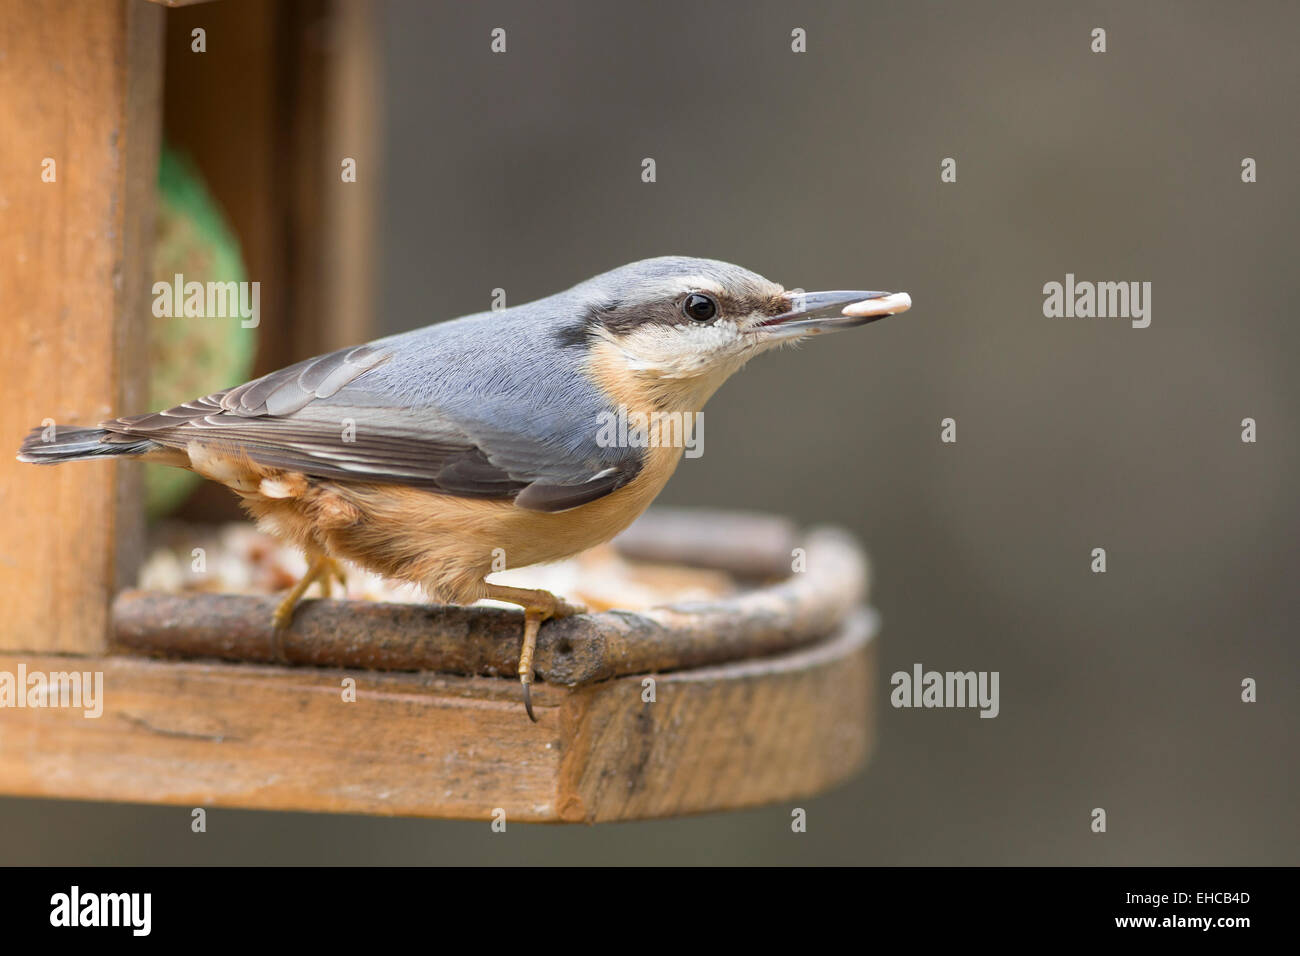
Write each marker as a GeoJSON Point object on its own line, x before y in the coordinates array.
{"type": "Point", "coordinates": [190, 356]}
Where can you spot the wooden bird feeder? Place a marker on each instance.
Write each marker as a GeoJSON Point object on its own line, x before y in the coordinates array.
{"type": "Point", "coordinates": [761, 695]}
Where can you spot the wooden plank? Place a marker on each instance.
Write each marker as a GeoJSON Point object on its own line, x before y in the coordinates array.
{"type": "Point", "coordinates": [336, 114]}
{"type": "Point", "coordinates": [458, 747]}
{"type": "Point", "coordinates": [79, 85]}
{"type": "Point", "coordinates": [725, 737]}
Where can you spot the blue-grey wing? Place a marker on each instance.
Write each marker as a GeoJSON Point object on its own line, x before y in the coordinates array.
{"type": "Point", "coordinates": [439, 408]}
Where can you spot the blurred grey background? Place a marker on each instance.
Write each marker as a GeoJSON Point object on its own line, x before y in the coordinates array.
{"type": "Point", "coordinates": [821, 170]}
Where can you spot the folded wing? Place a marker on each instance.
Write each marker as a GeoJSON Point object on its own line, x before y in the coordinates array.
{"type": "Point", "coordinates": [338, 416]}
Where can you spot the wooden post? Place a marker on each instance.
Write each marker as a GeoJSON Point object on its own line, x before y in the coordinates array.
{"type": "Point", "coordinates": [80, 110]}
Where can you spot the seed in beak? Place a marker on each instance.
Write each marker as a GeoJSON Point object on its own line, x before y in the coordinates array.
{"type": "Point", "coordinates": [890, 304]}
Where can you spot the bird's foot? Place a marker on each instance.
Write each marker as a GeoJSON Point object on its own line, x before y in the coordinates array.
{"type": "Point", "coordinates": [539, 606]}
{"type": "Point", "coordinates": [322, 569]}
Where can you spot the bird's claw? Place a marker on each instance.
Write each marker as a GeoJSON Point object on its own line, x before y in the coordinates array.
{"type": "Point", "coordinates": [323, 570]}
{"type": "Point", "coordinates": [528, 697]}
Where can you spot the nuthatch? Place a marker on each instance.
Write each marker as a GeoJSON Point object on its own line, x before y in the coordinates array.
{"type": "Point", "coordinates": [421, 456]}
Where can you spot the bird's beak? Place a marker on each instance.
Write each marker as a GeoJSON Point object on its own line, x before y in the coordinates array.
{"type": "Point", "coordinates": [815, 312]}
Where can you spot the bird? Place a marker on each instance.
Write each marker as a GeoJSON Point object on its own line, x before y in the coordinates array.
{"type": "Point", "coordinates": [440, 455]}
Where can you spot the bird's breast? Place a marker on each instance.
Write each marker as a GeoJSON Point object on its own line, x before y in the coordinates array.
{"type": "Point", "coordinates": [448, 544]}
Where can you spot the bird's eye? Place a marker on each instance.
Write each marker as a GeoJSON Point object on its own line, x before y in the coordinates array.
{"type": "Point", "coordinates": [699, 307]}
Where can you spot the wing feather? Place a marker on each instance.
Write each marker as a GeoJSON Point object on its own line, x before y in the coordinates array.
{"type": "Point", "coordinates": [282, 420]}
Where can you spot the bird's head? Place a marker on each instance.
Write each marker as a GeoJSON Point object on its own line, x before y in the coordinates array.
{"type": "Point", "coordinates": [681, 326]}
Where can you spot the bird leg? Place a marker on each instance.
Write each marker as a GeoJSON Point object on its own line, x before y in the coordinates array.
{"type": "Point", "coordinates": [323, 569]}
{"type": "Point", "coordinates": [538, 606]}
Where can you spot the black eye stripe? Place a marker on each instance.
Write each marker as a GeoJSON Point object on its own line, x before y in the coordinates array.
{"type": "Point", "coordinates": [622, 317]}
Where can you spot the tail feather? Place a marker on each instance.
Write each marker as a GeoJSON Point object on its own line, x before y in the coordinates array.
{"type": "Point", "coordinates": [55, 444]}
